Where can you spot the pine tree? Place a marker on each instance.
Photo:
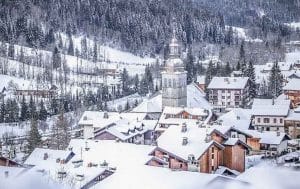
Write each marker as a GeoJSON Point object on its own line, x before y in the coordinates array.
{"type": "Point", "coordinates": [42, 112]}
{"type": "Point", "coordinates": [189, 66]}
{"type": "Point", "coordinates": [34, 139]}
{"type": "Point", "coordinates": [275, 81]}
{"type": "Point", "coordinates": [11, 50]}
{"type": "Point", "coordinates": [238, 66]}
{"type": "Point", "coordinates": [95, 51]}
{"type": "Point", "coordinates": [2, 112]}
{"type": "Point", "coordinates": [208, 77]}
{"type": "Point", "coordinates": [227, 70]}
{"type": "Point", "coordinates": [71, 46]}
{"type": "Point", "coordinates": [125, 82]}
{"type": "Point", "coordinates": [136, 83]}
{"type": "Point", "coordinates": [242, 57]}
{"type": "Point", "coordinates": [32, 108]}
{"type": "Point", "coordinates": [56, 58]}
{"type": "Point", "coordinates": [60, 136]}
{"type": "Point", "coordinates": [252, 80]}
{"type": "Point", "coordinates": [127, 105]}
{"type": "Point", "coordinates": [24, 110]}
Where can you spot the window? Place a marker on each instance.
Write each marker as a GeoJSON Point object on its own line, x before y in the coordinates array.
{"type": "Point", "coordinates": [212, 149]}
{"type": "Point", "coordinates": [223, 97]}
{"type": "Point", "coordinates": [266, 120]}
{"type": "Point", "coordinates": [170, 83]}
{"type": "Point", "coordinates": [274, 120]}
{"type": "Point", "coordinates": [258, 120]}
{"type": "Point", "coordinates": [174, 83]}
{"type": "Point", "coordinates": [166, 82]}
{"type": "Point", "coordinates": [280, 120]}
{"type": "Point", "coordinates": [213, 156]}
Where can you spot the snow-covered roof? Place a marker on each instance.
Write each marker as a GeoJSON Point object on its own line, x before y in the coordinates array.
{"type": "Point", "coordinates": [268, 137]}
{"type": "Point", "coordinates": [269, 176]}
{"type": "Point", "coordinates": [152, 105]}
{"type": "Point", "coordinates": [154, 177]}
{"type": "Point", "coordinates": [228, 83]}
{"type": "Point", "coordinates": [293, 84]}
{"type": "Point", "coordinates": [237, 117]}
{"type": "Point", "coordinates": [284, 66]}
{"type": "Point", "coordinates": [125, 130]}
{"type": "Point", "coordinates": [191, 111]}
{"type": "Point", "coordinates": [270, 107]}
{"type": "Point", "coordinates": [294, 115]}
{"type": "Point", "coordinates": [102, 119]}
{"type": "Point", "coordinates": [201, 79]}
{"type": "Point", "coordinates": [222, 170]}
{"type": "Point", "coordinates": [172, 141]}
{"type": "Point", "coordinates": [37, 156]}
{"type": "Point", "coordinates": [195, 99]}
{"type": "Point", "coordinates": [12, 171]}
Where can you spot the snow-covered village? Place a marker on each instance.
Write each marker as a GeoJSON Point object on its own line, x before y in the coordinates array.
{"type": "Point", "coordinates": [136, 94]}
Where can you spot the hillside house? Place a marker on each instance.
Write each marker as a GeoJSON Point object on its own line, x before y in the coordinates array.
{"type": "Point", "coordinates": [292, 91]}
{"type": "Point", "coordinates": [292, 123]}
{"type": "Point", "coordinates": [228, 92]}
{"type": "Point", "coordinates": [269, 114]}
{"type": "Point", "coordinates": [192, 147]}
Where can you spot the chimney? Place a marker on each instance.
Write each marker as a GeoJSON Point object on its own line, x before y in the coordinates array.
{"type": "Point", "coordinates": [273, 101]}
{"type": "Point", "coordinates": [6, 174]}
{"type": "Point", "coordinates": [184, 141]}
{"type": "Point", "coordinates": [45, 156]}
{"type": "Point", "coordinates": [207, 138]}
{"type": "Point", "coordinates": [278, 133]}
{"type": "Point", "coordinates": [105, 115]}
{"type": "Point", "coordinates": [183, 128]}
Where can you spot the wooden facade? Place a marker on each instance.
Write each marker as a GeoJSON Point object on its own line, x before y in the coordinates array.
{"type": "Point", "coordinates": [8, 163]}
{"type": "Point", "coordinates": [294, 96]}
{"type": "Point", "coordinates": [234, 157]}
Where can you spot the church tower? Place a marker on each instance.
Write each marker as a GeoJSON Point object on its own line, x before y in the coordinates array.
{"type": "Point", "coordinates": [174, 78]}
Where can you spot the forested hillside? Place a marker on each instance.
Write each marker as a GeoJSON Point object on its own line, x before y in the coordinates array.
{"type": "Point", "coordinates": [141, 26]}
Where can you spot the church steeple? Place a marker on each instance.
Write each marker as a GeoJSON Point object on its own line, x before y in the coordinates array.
{"type": "Point", "coordinates": [174, 47]}
{"type": "Point", "coordinates": [174, 76]}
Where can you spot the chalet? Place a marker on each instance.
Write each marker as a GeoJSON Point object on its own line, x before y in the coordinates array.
{"type": "Point", "coordinates": [123, 127]}
{"type": "Point", "coordinates": [292, 90]}
{"type": "Point", "coordinates": [292, 123]}
{"type": "Point", "coordinates": [68, 166]}
{"type": "Point", "coordinates": [269, 114]}
{"type": "Point", "coordinates": [228, 92]}
{"type": "Point", "coordinates": [138, 132]}
{"type": "Point", "coordinates": [37, 93]}
{"type": "Point", "coordinates": [178, 115]}
{"type": "Point", "coordinates": [269, 143]}
{"type": "Point", "coordinates": [192, 147]}
{"type": "Point", "coordinates": [284, 66]}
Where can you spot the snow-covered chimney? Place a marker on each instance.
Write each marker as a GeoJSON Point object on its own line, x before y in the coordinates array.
{"type": "Point", "coordinates": [207, 138]}
{"type": "Point", "coordinates": [184, 141]}
{"type": "Point", "coordinates": [6, 174]}
{"type": "Point", "coordinates": [45, 156]}
{"type": "Point", "coordinates": [278, 133]}
{"type": "Point", "coordinates": [105, 115]}
{"type": "Point", "coordinates": [183, 128]}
